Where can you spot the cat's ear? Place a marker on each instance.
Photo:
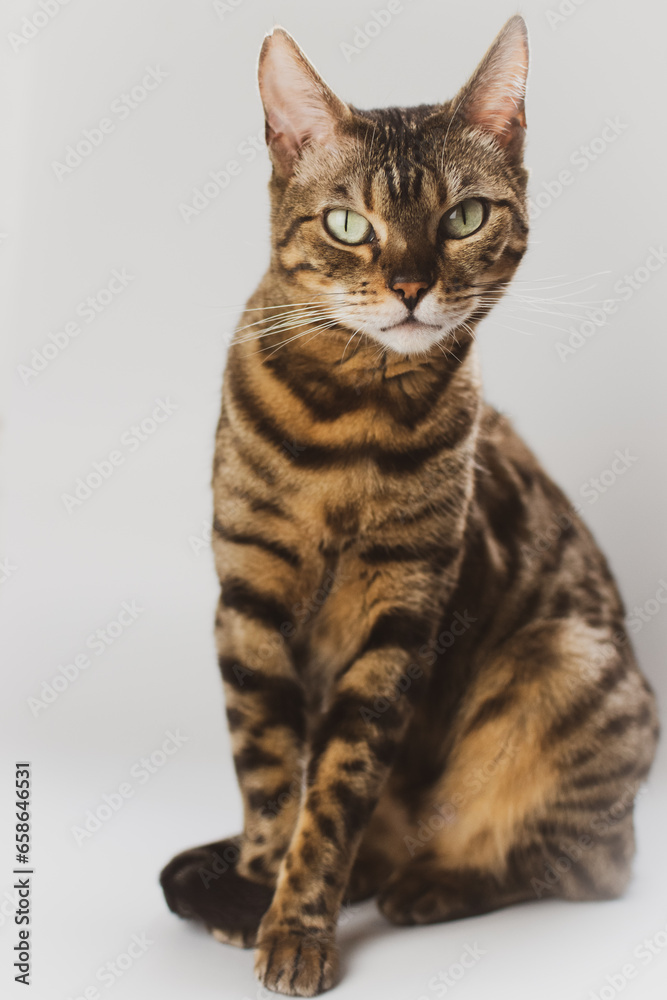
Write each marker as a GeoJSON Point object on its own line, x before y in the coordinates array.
{"type": "Point", "coordinates": [493, 99]}
{"type": "Point", "coordinates": [298, 106]}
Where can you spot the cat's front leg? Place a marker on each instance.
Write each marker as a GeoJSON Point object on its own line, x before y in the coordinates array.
{"type": "Point", "coordinates": [228, 885]}
{"type": "Point", "coordinates": [268, 573]}
{"type": "Point", "coordinates": [265, 714]}
{"type": "Point", "coordinates": [351, 755]}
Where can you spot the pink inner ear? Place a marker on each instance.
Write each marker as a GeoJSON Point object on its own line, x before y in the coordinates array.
{"type": "Point", "coordinates": [296, 109]}
{"type": "Point", "coordinates": [497, 105]}
{"type": "Point", "coordinates": [496, 96]}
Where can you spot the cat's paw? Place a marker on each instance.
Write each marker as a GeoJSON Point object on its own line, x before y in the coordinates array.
{"type": "Point", "coordinates": [298, 963]}
{"type": "Point", "coordinates": [413, 898]}
{"type": "Point", "coordinates": [203, 884]}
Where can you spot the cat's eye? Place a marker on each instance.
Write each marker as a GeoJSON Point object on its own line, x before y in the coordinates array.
{"type": "Point", "coordinates": [464, 219]}
{"type": "Point", "coordinates": [348, 226]}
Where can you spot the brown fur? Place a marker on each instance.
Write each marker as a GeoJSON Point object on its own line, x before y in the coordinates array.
{"type": "Point", "coordinates": [412, 681]}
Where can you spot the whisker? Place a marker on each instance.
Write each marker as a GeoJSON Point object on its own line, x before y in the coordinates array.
{"type": "Point", "coordinates": [348, 344]}
{"type": "Point", "coordinates": [503, 326]}
{"type": "Point", "coordinates": [449, 125]}
{"type": "Point", "coordinates": [284, 317]}
{"type": "Point", "coordinates": [563, 284]}
{"type": "Point", "coordinates": [287, 321]}
{"type": "Point", "coordinates": [537, 322]}
{"type": "Point", "coordinates": [554, 299]}
{"type": "Point", "coordinates": [241, 306]}
{"type": "Point", "coordinates": [325, 326]}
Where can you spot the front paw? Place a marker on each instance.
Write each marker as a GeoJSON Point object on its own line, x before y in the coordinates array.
{"type": "Point", "coordinates": [204, 884]}
{"type": "Point", "coordinates": [297, 962]}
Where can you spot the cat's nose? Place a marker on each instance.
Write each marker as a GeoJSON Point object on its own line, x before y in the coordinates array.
{"type": "Point", "coordinates": [410, 289]}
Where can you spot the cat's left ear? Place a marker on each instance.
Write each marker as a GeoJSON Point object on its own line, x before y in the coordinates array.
{"type": "Point", "coordinates": [494, 97]}
{"type": "Point", "coordinates": [299, 107]}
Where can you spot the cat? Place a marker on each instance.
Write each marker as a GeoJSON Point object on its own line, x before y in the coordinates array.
{"type": "Point", "coordinates": [431, 695]}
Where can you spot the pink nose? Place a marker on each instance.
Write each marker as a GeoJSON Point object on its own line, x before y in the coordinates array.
{"type": "Point", "coordinates": [409, 289]}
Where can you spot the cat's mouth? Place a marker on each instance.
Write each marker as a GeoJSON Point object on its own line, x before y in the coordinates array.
{"type": "Point", "coordinates": [410, 336]}
{"type": "Point", "coordinates": [410, 321]}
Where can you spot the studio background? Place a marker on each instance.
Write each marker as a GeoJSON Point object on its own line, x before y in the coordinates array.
{"type": "Point", "coordinates": [184, 264]}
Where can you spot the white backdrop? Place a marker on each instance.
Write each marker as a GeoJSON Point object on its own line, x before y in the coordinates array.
{"type": "Point", "coordinates": [122, 285]}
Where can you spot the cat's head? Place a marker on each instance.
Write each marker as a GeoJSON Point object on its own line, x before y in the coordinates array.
{"type": "Point", "coordinates": [401, 223]}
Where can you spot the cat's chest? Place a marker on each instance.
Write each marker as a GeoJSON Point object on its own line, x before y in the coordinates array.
{"type": "Point", "coordinates": [354, 503]}
{"type": "Point", "coordinates": [333, 615]}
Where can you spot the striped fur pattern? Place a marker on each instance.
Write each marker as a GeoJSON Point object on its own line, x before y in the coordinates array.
{"type": "Point", "coordinates": [429, 689]}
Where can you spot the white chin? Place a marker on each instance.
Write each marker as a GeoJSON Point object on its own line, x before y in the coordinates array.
{"type": "Point", "coordinates": [408, 338]}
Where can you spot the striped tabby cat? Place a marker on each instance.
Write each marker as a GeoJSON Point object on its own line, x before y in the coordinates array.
{"type": "Point", "coordinates": [430, 692]}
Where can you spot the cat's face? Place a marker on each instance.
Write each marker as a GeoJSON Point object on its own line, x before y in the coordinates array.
{"type": "Point", "coordinates": [401, 224]}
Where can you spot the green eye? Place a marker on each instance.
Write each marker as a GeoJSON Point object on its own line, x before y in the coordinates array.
{"type": "Point", "coordinates": [464, 219]}
{"type": "Point", "coordinates": [347, 226]}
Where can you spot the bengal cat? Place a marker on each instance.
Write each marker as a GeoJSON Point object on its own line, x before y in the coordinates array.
{"type": "Point", "coordinates": [430, 691]}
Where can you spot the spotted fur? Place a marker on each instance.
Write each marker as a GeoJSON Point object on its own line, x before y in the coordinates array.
{"type": "Point", "coordinates": [430, 691]}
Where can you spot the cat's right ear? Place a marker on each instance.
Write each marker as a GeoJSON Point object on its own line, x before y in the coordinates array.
{"type": "Point", "coordinates": [299, 108]}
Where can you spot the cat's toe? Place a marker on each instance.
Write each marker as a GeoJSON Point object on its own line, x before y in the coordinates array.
{"type": "Point", "coordinates": [300, 964]}
{"type": "Point", "coordinates": [202, 884]}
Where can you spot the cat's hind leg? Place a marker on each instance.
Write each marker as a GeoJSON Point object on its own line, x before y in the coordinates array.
{"type": "Point", "coordinates": [202, 884]}
{"type": "Point", "coordinates": [552, 743]}
{"type": "Point", "coordinates": [424, 892]}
